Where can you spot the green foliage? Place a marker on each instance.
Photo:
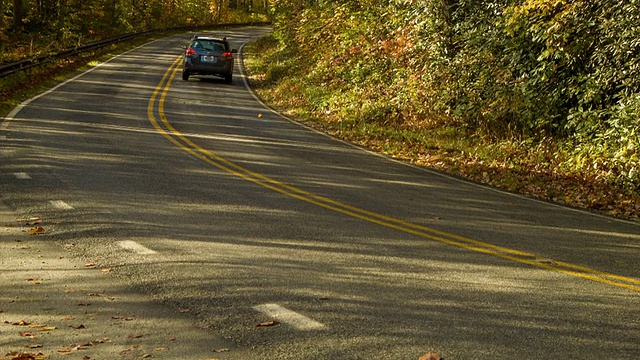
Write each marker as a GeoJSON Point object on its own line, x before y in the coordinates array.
{"type": "Point", "coordinates": [48, 26]}
{"type": "Point", "coordinates": [558, 77]}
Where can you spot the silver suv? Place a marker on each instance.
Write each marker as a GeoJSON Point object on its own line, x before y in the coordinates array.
{"type": "Point", "coordinates": [208, 56]}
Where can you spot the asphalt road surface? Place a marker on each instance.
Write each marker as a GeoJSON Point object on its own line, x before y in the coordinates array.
{"type": "Point", "coordinates": [198, 196]}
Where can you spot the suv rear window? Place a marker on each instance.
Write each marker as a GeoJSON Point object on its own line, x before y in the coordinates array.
{"type": "Point", "coordinates": [210, 45]}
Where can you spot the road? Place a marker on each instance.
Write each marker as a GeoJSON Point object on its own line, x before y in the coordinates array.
{"type": "Point", "coordinates": [198, 196]}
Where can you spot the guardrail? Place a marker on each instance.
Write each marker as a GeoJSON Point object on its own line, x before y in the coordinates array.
{"type": "Point", "coordinates": [22, 65]}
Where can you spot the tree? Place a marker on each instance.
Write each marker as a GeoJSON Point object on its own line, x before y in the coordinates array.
{"type": "Point", "coordinates": [18, 14]}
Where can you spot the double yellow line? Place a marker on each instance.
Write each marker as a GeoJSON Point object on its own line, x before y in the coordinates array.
{"type": "Point", "coordinates": [164, 127]}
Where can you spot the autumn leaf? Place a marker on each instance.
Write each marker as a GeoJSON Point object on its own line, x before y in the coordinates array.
{"type": "Point", "coordinates": [27, 356]}
{"type": "Point", "coordinates": [20, 323]}
{"type": "Point", "coordinates": [36, 231]}
{"type": "Point", "coordinates": [46, 328]}
{"type": "Point", "coordinates": [135, 336]}
{"type": "Point", "coordinates": [28, 334]}
{"type": "Point", "coordinates": [267, 323]}
{"type": "Point", "coordinates": [34, 346]}
{"type": "Point", "coordinates": [430, 356]}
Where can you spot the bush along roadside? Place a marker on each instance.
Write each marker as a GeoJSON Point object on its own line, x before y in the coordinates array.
{"type": "Point", "coordinates": [374, 102]}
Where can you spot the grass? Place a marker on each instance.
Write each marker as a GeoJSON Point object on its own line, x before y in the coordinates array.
{"type": "Point", "coordinates": [534, 169]}
{"type": "Point", "coordinates": [537, 169]}
{"type": "Point", "coordinates": [18, 87]}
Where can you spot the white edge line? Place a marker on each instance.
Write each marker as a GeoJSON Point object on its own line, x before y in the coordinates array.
{"type": "Point", "coordinates": [135, 247]}
{"type": "Point", "coordinates": [4, 124]}
{"type": "Point", "coordinates": [22, 175]}
{"type": "Point", "coordinates": [59, 204]}
{"type": "Point", "coordinates": [289, 317]}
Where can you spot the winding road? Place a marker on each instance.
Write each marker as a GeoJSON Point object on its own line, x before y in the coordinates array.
{"type": "Point", "coordinates": [201, 197]}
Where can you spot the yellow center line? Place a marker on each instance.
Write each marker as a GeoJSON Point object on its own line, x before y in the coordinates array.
{"type": "Point", "coordinates": [165, 128]}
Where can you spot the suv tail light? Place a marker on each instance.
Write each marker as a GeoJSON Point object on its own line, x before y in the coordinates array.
{"type": "Point", "coordinates": [190, 51]}
{"type": "Point", "coordinates": [227, 54]}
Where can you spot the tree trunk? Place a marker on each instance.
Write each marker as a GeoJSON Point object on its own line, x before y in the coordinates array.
{"type": "Point", "coordinates": [18, 14]}
{"type": "Point", "coordinates": [60, 19]}
{"type": "Point", "coordinates": [1, 15]}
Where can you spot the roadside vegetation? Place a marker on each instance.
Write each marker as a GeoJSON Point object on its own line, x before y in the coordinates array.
{"type": "Point", "coordinates": [539, 97]}
{"type": "Point", "coordinates": [30, 28]}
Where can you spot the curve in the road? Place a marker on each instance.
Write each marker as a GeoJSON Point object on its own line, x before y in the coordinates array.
{"type": "Point", "coordinates": [161, 123]}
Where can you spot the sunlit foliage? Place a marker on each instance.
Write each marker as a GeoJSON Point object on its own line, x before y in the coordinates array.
{"type": "Point", "coordinates": [565, 72]}
{"type": "Point", "coordinates": [36, 26]}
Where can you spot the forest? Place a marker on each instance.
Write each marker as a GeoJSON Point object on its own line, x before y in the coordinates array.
{"type": "Point", "coordinates": [34, 27]}
{"type": "Point", "coordinates": [540, 97]}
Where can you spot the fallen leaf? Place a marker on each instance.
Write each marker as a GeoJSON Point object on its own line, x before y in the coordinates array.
{"type": "Point", "coordinates": [221, 350]}
{"type": "Point", "coordinates": [46, 328]}
{"type": "Point", "coordinates": [106, 270]}
{"type": "Point", "coordinates": [27, 356]}
{"type": "Point", "coordinates": [135, 336]}
{"type": "Point", "coordinates": [68, 318]}
{"type": "Point", "coordinates": [28, 334]}
{"type": "Point", "coordinates": [89, 265]}
{"type": "Point", "coordinates": [267, 323]}
{"type": "Point", "coordinates": [33, 221]}
{"type": "Point", "coordinates": [184, 310]}
{"type": "Point", "coordinates": [78, 327]}
{"type": "Point", "coordinates": [84, 304]}
{"type": "Point", "coordinates": [20, 323]}
{"type": "Point", "coordinates": [126, 352]}
{"type": "Point", "coordinates": [430, 356]}
{"type": "Point", "coordinates": [36, 231]}
{"type": "Point", "coordinates": [34, 346]}
{"type": "Point", "coordinates": [162, 348]}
